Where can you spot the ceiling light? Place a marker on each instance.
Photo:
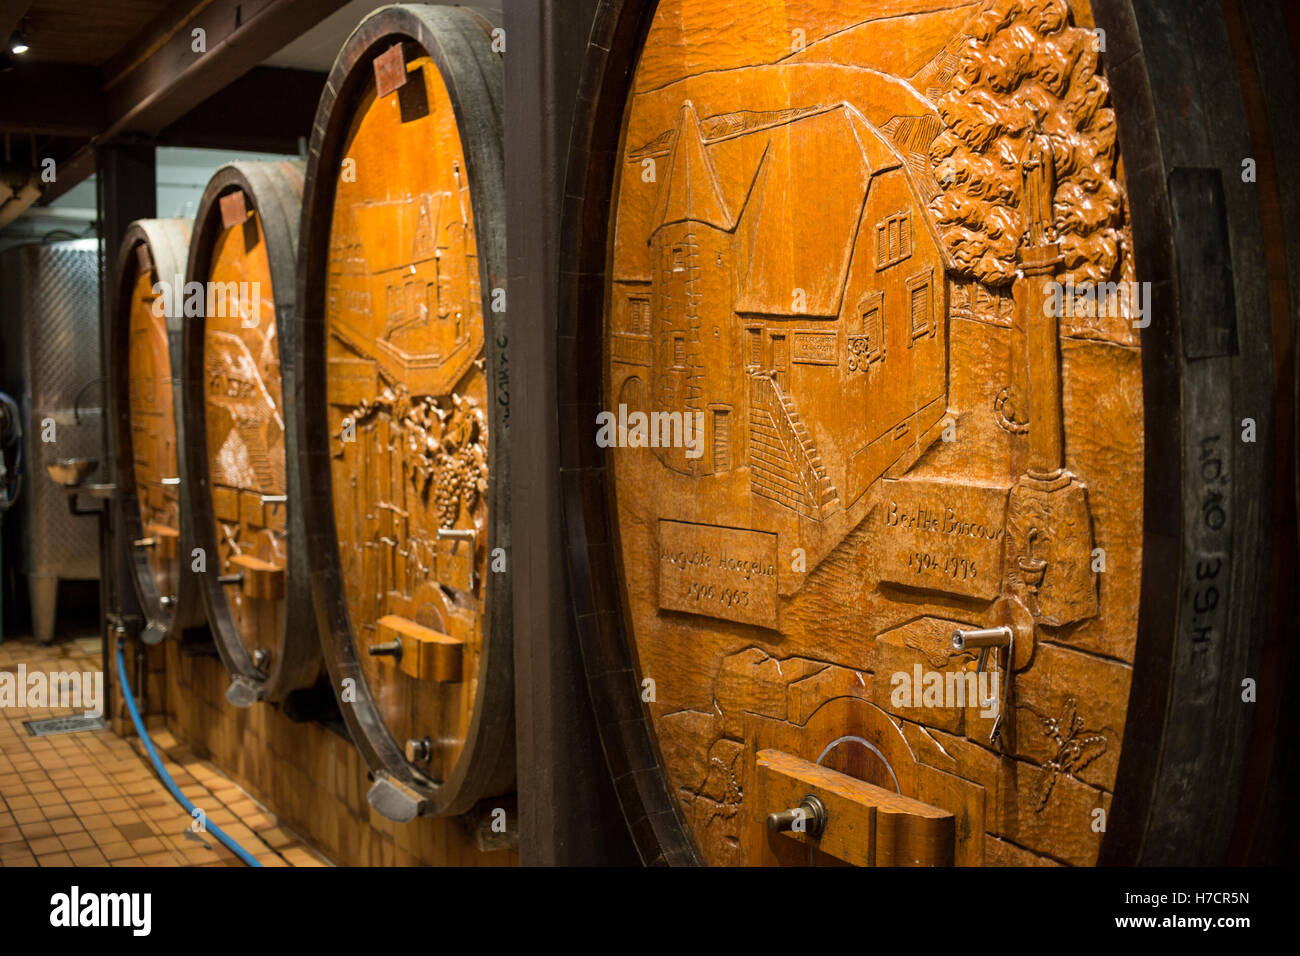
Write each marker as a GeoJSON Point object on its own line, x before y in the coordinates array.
{"type": "Point", "coordinates": [18, 43]}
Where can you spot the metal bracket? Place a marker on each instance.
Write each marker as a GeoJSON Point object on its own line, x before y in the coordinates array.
{"type": "Point", "coordinates": [243, 692]}
{"type": "Point", "coordinates": [394, 799]}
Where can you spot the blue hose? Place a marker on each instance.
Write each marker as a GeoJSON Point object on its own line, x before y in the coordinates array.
{"type": "Point", "coordinates": [183, 800]}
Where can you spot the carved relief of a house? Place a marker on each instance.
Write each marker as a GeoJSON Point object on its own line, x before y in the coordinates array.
{"type": "Point", "coordinates": [796, 300]}
{"type": "Point", "coordinates": [417, 273]}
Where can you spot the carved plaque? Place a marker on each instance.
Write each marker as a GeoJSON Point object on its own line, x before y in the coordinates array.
{"type": "Point", "coordinates": [407, 396]}
{"type": "Point", "coordinates": [942, 536]}
{"type": "Point", "coordinates": [842, 234]}
{"type": "Point", "coordinates": [718, 572]}
{"type": "Point", "coordinates": [245, 422]}
{"type": "Point", "coordinates": [153, 431]}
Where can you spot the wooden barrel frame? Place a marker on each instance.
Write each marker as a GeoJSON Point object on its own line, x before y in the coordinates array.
{"type": "Point", "coordinates": [458, 42]}
{"type": "Point", "coordinates": [268, 189]}
{"type": "Point", "coordinates": [1183, 752]}
{"type": "Point", "coordinates": [166, 243]}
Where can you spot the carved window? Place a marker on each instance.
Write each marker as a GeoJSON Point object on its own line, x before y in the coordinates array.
{"type": "Point", "coordinates": [721, 438]}
{"type": "Point", "coordinates": [679, 258]}
{"type": "Point", "coordinates": [679, 350]}
{"type": "Point", "coordinates": [755, 356]}
{"type": "Point", "coordinates": [867, 342]}
{"type": "Point", "coordinates": [639, 312]}
{"type": "Point", "coordinates": [920, 298]}
{"type": "Point", "coordinates": [893, 239]}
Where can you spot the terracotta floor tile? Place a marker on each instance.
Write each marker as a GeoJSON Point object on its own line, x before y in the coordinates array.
{"type": "Point", "coordinates": [57, 811]}
{"type": "Point", "coordinates": [77, 841]}
{"type": "Point", "coordinates": [20, 859]}
{"type": "Point", "coordinates": [28, 815]}
{"type": "Point", "coordinates": [66, 825]}
{"type": "Point", "coordinates": [54, 859]}
{"type": "Point", "coordinates": [147, 845]}
{"type": "Point", "coordinates": [108, 835]}
{"type": "Point", "coordinates": [117, 851]}
{"type": "Point", "coordinates": [10, 833]}
{"type": "Point", "coordinates": [135, 831]}
{"type": "Point", "coordinates": [159, 859]}
{"type": "Point", "coordinates": [48, 844]}
{"type": "Point", "coordinates": [37, 828]}
{"type": "Point", "coordinates": [88, 857]}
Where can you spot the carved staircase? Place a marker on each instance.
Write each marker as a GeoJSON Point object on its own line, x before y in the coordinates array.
{"type": "Point", "coordinates": [785, 466]}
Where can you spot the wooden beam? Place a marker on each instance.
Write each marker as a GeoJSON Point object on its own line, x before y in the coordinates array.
{"type": "Point", "coordinates": [71, 169]}
{"type": "Point", "coordinates": [236, 35]}
{"type": "Point", "coordinates": [159, 78]}
{"type": "Point", "coordinates": [568, 812]}
{"type": "Point", "coordinates": [126, 191]}
{"type": "Point", "coordinates": [52, 99]}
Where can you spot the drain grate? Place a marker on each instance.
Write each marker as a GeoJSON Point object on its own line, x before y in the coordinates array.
{"type": "Point", "coordinates": [50, 726]}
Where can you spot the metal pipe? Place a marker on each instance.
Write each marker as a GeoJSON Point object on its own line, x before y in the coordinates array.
{"type": "Point", "coordinates": [984, 637]}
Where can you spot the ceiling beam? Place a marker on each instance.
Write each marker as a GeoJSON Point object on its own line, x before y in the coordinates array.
{"type": "Point", "coordinates": [237, 35]}
{"type": "Point", "coordinates": [70, 169]}
{"type": "Point", "coordinates": [159, 77]}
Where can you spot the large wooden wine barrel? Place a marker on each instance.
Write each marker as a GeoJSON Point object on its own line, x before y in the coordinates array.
{"type": "Point", "coordinates": [401, 406]}
{"type": "Point", "coordinates": [148, 308]}
{"type": "Point", "coordinates": [236, 384]}
{"type": "Point", "coordinates": [904, 350]}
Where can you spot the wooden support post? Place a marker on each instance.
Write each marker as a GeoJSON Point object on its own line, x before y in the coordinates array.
{"type": "Point", "coordinates": [567, 808]}
{"type": "Point", "coordinates": [126, 190]}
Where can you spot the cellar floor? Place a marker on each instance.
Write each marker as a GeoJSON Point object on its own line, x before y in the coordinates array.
{"type": "Point", "coordinates": [93, 799]}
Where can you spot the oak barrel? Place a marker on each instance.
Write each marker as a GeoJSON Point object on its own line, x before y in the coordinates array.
{"type": "Point", "coordinates": [148, 312]}
{"type": "Point", "coordinates": [236, 383]}
{"type": "Point", "coordinates": [401, 406]}
{"type": "Point", "coordinates": [933, 345]}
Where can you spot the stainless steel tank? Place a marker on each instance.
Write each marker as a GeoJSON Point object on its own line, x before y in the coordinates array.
{"type": "Point", "coordinates": [49, 334]}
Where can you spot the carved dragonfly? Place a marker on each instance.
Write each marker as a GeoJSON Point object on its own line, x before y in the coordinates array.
{"type": "Point", "coordinates": [1076, 748]}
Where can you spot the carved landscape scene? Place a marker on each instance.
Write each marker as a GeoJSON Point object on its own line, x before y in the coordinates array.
{"type": "Point", "coordinates": [836, 231]}
{"type": "Point", "coordinates": [407, 393]}
{"type": "Point", "coordinates": [153, 430]}
{"type": "Point", "coordinates": [245, 430]}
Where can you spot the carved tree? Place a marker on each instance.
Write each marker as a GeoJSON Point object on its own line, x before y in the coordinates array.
{"type": "Point", "coordinates": [1023, 65]}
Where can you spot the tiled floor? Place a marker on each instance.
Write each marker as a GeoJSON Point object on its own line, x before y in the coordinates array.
{"type": "Point", "coordinates": [93, 799]}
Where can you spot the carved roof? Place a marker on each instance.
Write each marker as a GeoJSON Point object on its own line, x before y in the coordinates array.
{"type": "Point", "coordinates": [813, 171]}
{"type": "Point", "coordinates": [690, 191]}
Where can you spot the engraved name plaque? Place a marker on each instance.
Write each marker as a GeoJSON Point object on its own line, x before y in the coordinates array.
{"type": "Point", "coordinates": [941, 536]}
{"type": "Point", "coordinates": [728, 573]}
